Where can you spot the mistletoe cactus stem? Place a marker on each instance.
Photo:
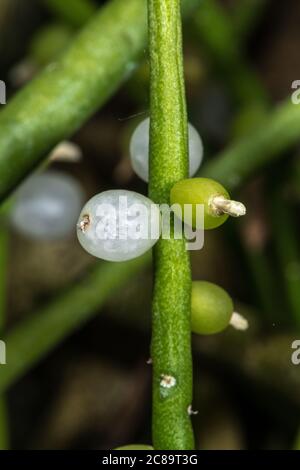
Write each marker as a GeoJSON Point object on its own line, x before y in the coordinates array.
{"type": "Point", "coordinates": [171, 340]}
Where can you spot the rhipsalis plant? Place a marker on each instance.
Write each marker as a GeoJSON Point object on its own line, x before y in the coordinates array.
{"type": "Point", "coordinates": [171, 335]}
{"type": "Point", "coordinates": [169, 166]}
{"type": "Point", "coordinates": [165, 152]}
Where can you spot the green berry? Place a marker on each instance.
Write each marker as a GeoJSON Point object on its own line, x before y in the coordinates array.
{"type": "Point", "coordinates": [135, 447]}
{"type": "Point", "coordinates": [200, 191]}
{"type": "Point", "coordinates": [212, 308]}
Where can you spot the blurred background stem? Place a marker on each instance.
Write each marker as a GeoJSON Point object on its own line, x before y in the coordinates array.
{"type": "Point", "coordinates": [287, 249]}
{"type": "Point", "coordinates": [73, 12]}
{"type": "Point", "coordinates": [297, 442]}
{"type": "Point", "coordinates": [246, 15]}
{"type": "Point", "coordinates": [221, 44]}
{"type": "Point", "coordinates": [84, 75]}
{"type": "Point", "coordinates": [277, 132]}
{"type": "Point", "coordinates": [4, 250]}
{"type": "Point", "coordinates": [29, 341]}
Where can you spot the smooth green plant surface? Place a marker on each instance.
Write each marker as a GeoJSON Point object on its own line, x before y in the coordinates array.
{"type": "Point", "coordinates": [168, 163]}
{"type": "Point", "coordinates": [212, 308]}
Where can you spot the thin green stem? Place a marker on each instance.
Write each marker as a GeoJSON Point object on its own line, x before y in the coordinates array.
{"type": "Point", "coordinates": [171, 334]}
{"type": "Point", "coordinates": [42, 331]}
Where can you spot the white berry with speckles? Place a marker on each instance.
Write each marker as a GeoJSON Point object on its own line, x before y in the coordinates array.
{"type": "Point", "coordinates": [118, 225]}
{"type": "Point", "coordinates": [47, 206]}
{"type": "Point", "coordinates": [139, 150]}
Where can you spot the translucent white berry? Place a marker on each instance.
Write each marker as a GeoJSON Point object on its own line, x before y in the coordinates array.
{"type": "Point", "coordinates": [139, 150]}
{"type": "Point", "coordinates": [118, 225]}
{"type": "Point", "coordinates": [47, 206]}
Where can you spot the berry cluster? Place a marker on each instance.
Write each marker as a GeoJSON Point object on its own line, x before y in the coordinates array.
{"type": "Point", "coordinates": [212, 308]}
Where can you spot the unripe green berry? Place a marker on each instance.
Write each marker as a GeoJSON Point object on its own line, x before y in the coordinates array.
{"type": "Point", "coordinates": [199, 191]}
{"type": "Point", "coordinates": [212, 308]}
{"type": "Point", "coordinates": [135, 447]}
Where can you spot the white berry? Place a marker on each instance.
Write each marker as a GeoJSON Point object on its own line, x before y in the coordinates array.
{"type": "Point", "coordinates": [47, 206]}
{"type": "Point", "coordinates": [118, 225]}
{"type": "Point", "coordinates": [139, 150]}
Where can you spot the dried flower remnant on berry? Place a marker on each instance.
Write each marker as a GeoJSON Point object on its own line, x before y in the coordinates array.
{"type": "Point", "coordinates": [118, 225]}
{"type": "Point", "coordinates": [84, 223]}
{"type": "Point", "coordinates": [238, 322]}
{"type": "Point", "coordinates": [219, 205]}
